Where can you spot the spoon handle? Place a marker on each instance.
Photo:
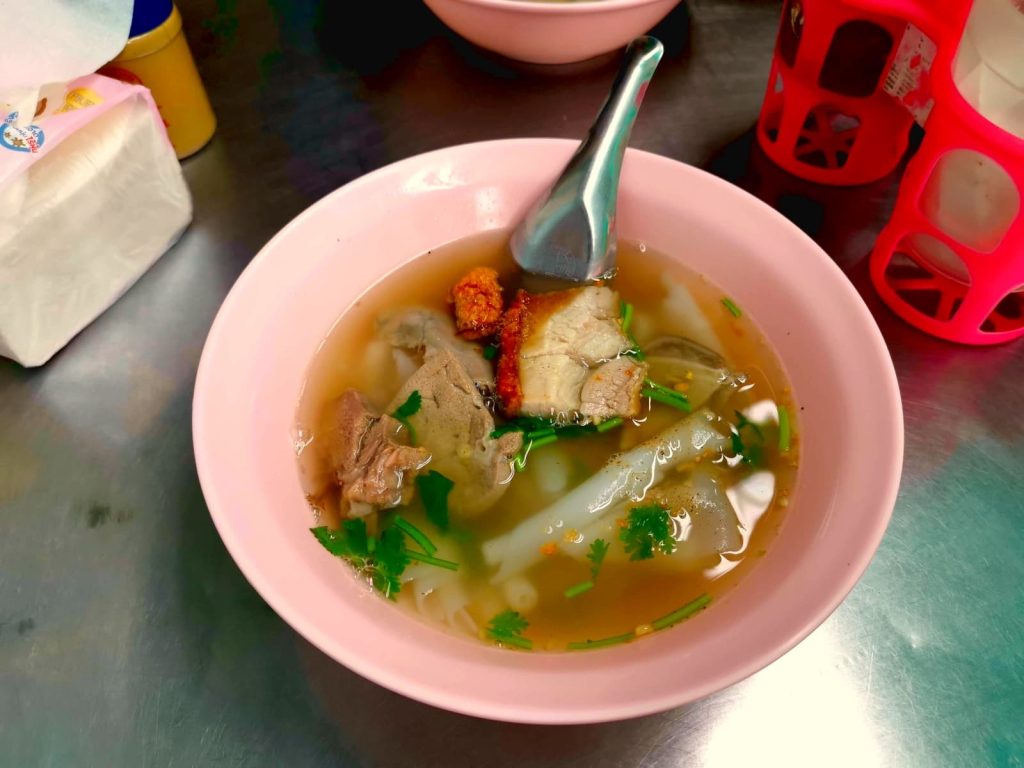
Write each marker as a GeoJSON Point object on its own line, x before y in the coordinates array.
{"type": "Point", "coordinates": [598, 162]}
{"type": "Point", "coordinates": [570, 234]}
{"type": "Point", "coordinates": [605, 146]}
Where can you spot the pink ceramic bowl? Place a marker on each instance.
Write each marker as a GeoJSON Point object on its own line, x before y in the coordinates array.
{"type": "Point", "coordinates": [549, 31]}
{"type": "Point", "coordinates": [279, 311]}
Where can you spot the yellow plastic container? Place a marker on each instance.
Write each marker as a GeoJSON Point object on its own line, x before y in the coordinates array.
{"type": "Point", "coordinates": [161, 60]}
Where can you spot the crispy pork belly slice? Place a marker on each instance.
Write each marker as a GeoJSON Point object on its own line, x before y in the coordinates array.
{"type": "Point", "coordinates": [613, 389]}
{"type": "Point", "coordinates": [553, 344]}
{"type": "Point", "coordinates": [580, 323]}
{"type": "Point", "coordinates": [551, 386]}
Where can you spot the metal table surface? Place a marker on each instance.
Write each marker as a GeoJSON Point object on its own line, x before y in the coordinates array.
{"type": "Point", "coordinates": [129, 637]}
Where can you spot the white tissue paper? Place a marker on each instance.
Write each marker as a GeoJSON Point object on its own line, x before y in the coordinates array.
{"type": "Point", "coordinates": [91, 193]}
{"type": "Point", "coordinates": [49, 42]}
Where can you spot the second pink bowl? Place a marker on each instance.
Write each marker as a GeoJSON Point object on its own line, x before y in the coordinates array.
{"type": "Point", "coordinates": [549, 31]}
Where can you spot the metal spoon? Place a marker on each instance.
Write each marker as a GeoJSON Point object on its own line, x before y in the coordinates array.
{"type": "Point", "coordinates": [570, 232]}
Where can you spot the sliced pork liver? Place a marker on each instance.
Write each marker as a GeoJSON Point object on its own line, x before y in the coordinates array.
{"type": "Point", "coordinates": [453, 423]}
{"type": "Point", "coordinates": [370, 463]}
{"type": "Point", "coordinates": [433, 332]}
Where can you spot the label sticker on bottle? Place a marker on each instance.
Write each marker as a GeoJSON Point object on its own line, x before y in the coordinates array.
{"type": "Point", "coordinates": [909, 77]}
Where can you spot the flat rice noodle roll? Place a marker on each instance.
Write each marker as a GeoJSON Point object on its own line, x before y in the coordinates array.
{"type": "Point", "coordinates": [681, 309]}
{"type": "Point", "coordinates": [627, 476]}
{"type": "Point", "coordinates": [705, 525]}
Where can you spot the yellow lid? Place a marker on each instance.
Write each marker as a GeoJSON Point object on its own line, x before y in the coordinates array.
{"type": "Point", "coordinates": [152, 41]}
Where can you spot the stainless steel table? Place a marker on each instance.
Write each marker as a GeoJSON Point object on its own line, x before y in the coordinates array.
{"type": "Point", "coordinates": [128, 636]}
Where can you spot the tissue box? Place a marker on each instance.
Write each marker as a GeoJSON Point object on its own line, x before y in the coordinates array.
{"type": "Point", "coordinates": [91, 194]}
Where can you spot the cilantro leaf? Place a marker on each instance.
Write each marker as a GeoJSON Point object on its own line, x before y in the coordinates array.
{"type": "Point", "coordinates": [507, 628]}
{"type": "Point", "coordinates": [410, 407]}
{"type": "Point", "coordinates": [335, 542]}
{"type": "Point", "coordinates": [598, 549]}
{"type": "Point", "coordinates": [389, 561]}
{"type": "Point", "coordinates": [383, 562]}
{"type": "Point", "coordinates": [508, 623]}
{"type": "Point", "coordinates": [751, 450]}
{"type": "Point", "coordinates": [434, 489]}
{"type": "Point", "coordinates": [743, 422]}
{"type": "Point", "coordinates": [753, 454]}
{"type": "Point", "coordinates": [648, 528]}
{"type": "Point", "coordinates": [355, 534]}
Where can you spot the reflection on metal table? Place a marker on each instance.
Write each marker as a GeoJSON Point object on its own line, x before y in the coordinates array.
{"type": "Point", "coordinates": [127, 634]}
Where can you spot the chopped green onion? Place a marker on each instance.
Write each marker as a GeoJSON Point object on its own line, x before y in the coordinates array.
{"type": "Point", "coordinates": [522, 424]}
{"type": "Point", "coordinates": [371, 544]}
{"type": "Point", "coordinates": [504, 429]}
{"type": "Point", "coordinates": [680, 614]}
{"type": "Point", "coordinates": [626, 311]}
{"type": "Point", "coordinates": [610, 424]}
{"type": "Point", "coordinates": [784, 429]}
{"type": "Point", "coordinates": [579, 589]}
{"type": "Point", "coordinates": [543, 440]}
{"type": "Point", "coordinates": [664, 622]}
{"type": "Point", "coordinates": [490, 352]}
{"type": "Point", "coordinates": [415, 534]}
{"type": "Point", "coordinates": [518, 642]}
{"type": "Point", "coordinates": [432, 560]}
{"type": "Point", "coordinates": [635, 350]}
{"type": "Point", "coordinates": [531, 436]}
{"type": "Point", "coordinates": [519, 462]}
{"type": "Point", "coordinates": [734, 310]}
{"type": "Point", "coordinates": [666, 396]}
{"type": "Point", "coordinates": [575, 430]}
{"type": "Point", "coordinates": [604, 642]}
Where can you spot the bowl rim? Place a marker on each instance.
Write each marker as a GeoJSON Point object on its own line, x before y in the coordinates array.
{"type": "Point", "coordinates": [560, 8]}
{"type": "Point", "coordinates": [379, 673]}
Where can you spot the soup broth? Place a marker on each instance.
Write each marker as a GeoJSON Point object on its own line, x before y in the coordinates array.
{"type": "Point", "coordinates": [527, 579]}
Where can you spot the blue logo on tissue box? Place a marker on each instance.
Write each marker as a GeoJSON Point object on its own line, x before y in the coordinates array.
{"type": "Point", "coordinates": [27, 138]}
